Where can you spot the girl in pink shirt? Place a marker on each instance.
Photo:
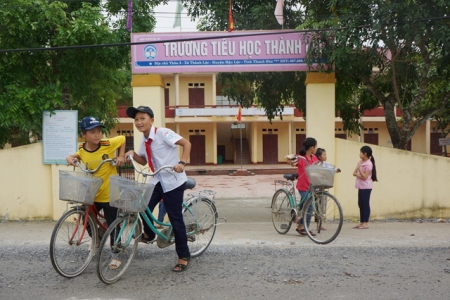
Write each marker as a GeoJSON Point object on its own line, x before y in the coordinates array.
{"type": "Point", "coordinates": [365, 174]}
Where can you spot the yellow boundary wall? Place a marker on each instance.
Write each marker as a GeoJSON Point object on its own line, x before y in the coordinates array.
{"type": "Point", "coordinates": [411, 185]}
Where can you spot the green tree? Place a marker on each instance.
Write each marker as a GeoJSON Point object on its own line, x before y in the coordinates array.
{"type": "Point", "coordinates": [270, 90]}
{"type": "Point", "coordinates": [92, 80]}
{"type": "Point", "coordinates": [390, 53]}
{"type": "Point", "coordinates": [395, 52]}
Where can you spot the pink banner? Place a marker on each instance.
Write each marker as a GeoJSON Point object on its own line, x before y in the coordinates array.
{"type": "Point", "coordinates": [211, 52]}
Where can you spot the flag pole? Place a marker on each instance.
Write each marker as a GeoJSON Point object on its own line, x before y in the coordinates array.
{"type": "Point", "coordinates": [240, 129]}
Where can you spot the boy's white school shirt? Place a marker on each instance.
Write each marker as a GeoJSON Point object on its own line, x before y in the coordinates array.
{"type": "Point", "coordinates": [164, 152]}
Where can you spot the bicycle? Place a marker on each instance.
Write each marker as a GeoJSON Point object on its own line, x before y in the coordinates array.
{"type": "Point", "coordinates": [78, 231]}
{"type": "Point", "coordinates": [326, 209]}
{"type": "Point", "coordinates": [132, 197]}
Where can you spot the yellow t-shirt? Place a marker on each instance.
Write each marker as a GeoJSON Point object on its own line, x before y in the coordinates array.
{"type": "Point", "coordinates": [93, 158]}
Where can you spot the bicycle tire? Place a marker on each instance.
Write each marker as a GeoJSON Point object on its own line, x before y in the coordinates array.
{"type": "Point", "coordinates": [69, 255]}
{"type": "Point", "coordinates": [200, 218]}
{"type": "Point", "coordinates": [120, 244]}
{"type": "Point", "coordinates": [327, 216]}
{"type": "Point", "coordinates": [283, 214]}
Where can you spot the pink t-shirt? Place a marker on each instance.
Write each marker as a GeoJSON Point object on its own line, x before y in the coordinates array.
{"type": "Point", "coordinates": [303, 180]}
{"type": "Point", "coordinates": [362, 184]}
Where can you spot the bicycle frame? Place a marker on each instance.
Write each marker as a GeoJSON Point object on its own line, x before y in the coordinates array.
{"type": "Point", "coordinates": [290, 188]}
{"type": "Point", "coordinates": [146, 216]}
{"type": "Point", "coordinates": [90, 209]}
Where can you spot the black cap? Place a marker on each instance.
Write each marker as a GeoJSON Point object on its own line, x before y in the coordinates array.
{"type": "Point", "coordinates": [131, 111]}
{"type": "Point", "coordinates": [89, 123]}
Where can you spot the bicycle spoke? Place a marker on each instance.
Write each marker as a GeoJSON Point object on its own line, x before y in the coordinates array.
{"type": "Point", "coordinates": [72, 246]}
{"type": "Point", "coordinates": [326, 218]}
{"type": "Point", "coordinates": [282, 212]}
{"type": "Point", "coordinates": [200, 217]}
{"type": "Point", "coordinates": [118, 248]}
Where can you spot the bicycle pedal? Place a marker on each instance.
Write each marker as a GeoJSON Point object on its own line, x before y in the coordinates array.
{"type": "Point", "coordinates": [283, 226]}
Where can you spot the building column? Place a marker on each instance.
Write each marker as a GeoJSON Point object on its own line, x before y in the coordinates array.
{"type": "Point", "coordinates": [176, 93]}
{"type": "Point", "coordinates": [427, 137]}
{"type": "Point", "coordinates": [214, 140]}
{"type": "Point", "coordinates": [320, 110]}
{"type": "Point", "coordinates": [148, 90]}
{"type": "Point", "coordinates": [254, 143]}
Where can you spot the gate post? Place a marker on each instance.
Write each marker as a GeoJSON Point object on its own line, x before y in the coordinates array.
{"type": "Point", "coordinates": [148, 90]}
{"type": "Point", "coordinates": [320, 110]}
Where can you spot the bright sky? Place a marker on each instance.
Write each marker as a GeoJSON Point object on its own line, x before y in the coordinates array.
{"type": "Point", "coordinates": [165, 16]}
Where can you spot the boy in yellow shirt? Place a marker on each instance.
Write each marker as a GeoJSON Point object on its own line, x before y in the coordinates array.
{"type": "Point", "coordinates": [92, 152]}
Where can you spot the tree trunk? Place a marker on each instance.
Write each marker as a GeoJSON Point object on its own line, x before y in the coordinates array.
{"type": "Point", "coordinates": [391, 121]}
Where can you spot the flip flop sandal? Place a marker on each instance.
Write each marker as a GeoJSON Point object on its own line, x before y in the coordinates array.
{"type": "Point", "coordinates": [181, 267]}
{"type": "Point", "coordinates": [115, 264]}
{"type": "Point", "coordinates": [301, 231]}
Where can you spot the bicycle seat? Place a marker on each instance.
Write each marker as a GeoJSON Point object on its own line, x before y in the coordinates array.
{"type": "Point", "coordinates": [290, 177]}
{"type": "Point", "coordinates": [190, 183]}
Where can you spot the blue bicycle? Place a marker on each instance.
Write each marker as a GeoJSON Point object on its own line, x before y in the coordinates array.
{"type": "Point", "coordinates": [318, 206]}
{"type": "Point", "coordinates": [119, 243]}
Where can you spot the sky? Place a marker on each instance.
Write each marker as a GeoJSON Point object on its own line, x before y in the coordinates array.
{"type": "Point", "coordinates": [165, 16]}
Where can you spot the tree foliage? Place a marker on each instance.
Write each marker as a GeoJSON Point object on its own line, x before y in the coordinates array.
{"type": "Point", "coordinates": [272, 90]}
{"type": "Point", "coordinates": [394, 53]}
{"type": "Point", "coordinates": [390, 53]}
{"type": "Point", "coordinates": [92, 80]}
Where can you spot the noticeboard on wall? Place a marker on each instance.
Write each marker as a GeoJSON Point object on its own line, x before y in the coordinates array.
{"type": "Point", "coordinates": [59, 135]}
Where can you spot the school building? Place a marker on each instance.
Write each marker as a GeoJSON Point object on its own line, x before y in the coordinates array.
{"type": "Point", "coordinates": [175, 74]}
{"type": "Point", "coordinates": [195, 109]}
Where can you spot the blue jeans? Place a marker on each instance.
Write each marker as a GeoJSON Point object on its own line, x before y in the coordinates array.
{"type": "Point", "coordinates": [310, 210]}
{"type": "Point", "coordinates": [162, 211]}
{"type": "Point", "coordinates": [364, 205]}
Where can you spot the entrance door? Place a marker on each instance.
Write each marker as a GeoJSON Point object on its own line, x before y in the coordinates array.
{"type": "Point", "coordinates": [371, 138]}
{"type": "Point", "coordinates": [299, 139]}
{"type": "Point", "coordinates": [197, 150]}
{"type": "Point", "coordinates": [197, 98]}
{"type": "Point", "coordinates": [270, 148]}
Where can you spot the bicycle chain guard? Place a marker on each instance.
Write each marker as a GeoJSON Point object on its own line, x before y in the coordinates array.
{"type": "Point", "coordinates": [160, 242]}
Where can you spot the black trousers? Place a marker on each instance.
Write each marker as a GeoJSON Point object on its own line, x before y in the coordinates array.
{"type": "Point", "coordinates": [364, 205]}
{"type": "Point", "coordinates": [173, 202]}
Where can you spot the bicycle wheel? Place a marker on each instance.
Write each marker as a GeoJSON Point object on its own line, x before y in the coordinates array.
{"type": "Point", "coordinates": [72, 246]}
{"type": "Point", "coordinates": [326, 218]}
{"type": "Point", "coordinates": [200, 217]}
{"type": "Point", "coordinates": [118, 248]}
{"type": "Point", "coordinates": [282, 213]}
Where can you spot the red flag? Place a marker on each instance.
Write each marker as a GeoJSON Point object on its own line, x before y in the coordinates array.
{"type": "Point", "coordinates": [230, 19]}
{"type": "Point", "coordinates": [239, 115]}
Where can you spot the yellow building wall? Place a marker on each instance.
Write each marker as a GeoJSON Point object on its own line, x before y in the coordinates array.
{"type": "Point", "coordinates": [184, 87]}
{"type": "Point", "coordinates": [418, 140]}
{"type": "Point", "coordinates": [183, 130]}
{"type": "Point", "coordinates": [282, 132]}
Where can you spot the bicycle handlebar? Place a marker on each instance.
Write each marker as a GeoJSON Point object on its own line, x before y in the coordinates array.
{"type": "Point", "coordinates": [145, 174]}
{"type": "Point", "coordinates": [86, 170]}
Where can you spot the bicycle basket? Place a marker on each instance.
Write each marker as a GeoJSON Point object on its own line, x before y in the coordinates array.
{"type": "Point", "coordinates": [78, 187]}
{"type": "Point", "coordinates": [128, 194]}
{"type": "Point", "coordinates": [320, 176]}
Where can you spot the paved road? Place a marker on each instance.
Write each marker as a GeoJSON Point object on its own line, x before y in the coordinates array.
{"type": "Point", "coordinates": [248, 260]}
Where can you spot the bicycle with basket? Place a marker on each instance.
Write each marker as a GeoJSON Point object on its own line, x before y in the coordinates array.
{"type": "Point", "coordinates": [327, 216]}
{"type": "Point", "coordinates": [121, 240]}
{"type": "Point", "coordinates": [79, 230]}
